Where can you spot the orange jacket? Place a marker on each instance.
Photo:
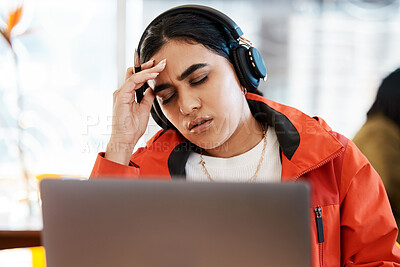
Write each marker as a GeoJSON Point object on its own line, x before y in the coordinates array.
{"type": "Point", "coordinates": [347, 193]}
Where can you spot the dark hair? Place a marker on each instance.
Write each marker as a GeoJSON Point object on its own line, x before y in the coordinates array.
{"type": "Point", "coordinates": [388, 98]}
{"type": "Point", "coordinates": [191, 28]}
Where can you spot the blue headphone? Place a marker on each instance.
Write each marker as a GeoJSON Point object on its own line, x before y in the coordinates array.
{"type": "Point", "coordinates": [247, 61]}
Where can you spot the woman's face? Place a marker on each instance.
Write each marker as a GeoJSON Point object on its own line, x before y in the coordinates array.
{"type": "Point", "coordinates": [199, 93]}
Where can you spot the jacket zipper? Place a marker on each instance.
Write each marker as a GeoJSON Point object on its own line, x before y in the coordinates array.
{"type": "Point", "coordinates": [320, 232]}
{"type": "Point", "coordinates": [318, 210]}
{"type": "Point", "coordinates": [321, 163]}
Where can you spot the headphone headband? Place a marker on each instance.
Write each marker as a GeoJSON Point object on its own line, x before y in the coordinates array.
{"type": "Point", "coordinates": [205, 11]}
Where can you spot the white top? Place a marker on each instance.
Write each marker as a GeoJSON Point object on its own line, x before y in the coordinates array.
{"type": "Point", "coordinates": [239, 168]}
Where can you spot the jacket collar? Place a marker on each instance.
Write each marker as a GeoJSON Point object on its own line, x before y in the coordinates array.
{"type": "Point", "coordinates": [306, 143]}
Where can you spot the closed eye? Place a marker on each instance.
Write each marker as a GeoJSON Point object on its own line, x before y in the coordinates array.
{"type": "Point", "coordinates": [197, 82]}
{"type": "Point", "coordinates": [167, 99]}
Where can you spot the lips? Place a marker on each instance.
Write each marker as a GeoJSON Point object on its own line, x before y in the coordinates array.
{"type": "Point", "coordinates": [199, 124]}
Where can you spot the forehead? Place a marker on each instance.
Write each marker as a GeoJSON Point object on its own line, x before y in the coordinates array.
{"type": "Point", "coordinates": [181, 54]}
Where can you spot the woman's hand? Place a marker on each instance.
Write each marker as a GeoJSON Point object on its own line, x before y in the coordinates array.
{"type": "Point", "coordinates": [130, 118]}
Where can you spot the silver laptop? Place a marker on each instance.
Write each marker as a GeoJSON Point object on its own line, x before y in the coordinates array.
{"type": "Point", "coordinates": [157, 223]}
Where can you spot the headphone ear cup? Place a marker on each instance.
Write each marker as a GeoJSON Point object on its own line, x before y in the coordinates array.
{"type": "Point", "coordinates": [243, 68]}
{"type": "Point", "coordinates": [159, 117]}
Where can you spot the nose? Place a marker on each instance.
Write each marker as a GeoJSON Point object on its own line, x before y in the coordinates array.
{"type": "Point", "coordinates": [188, 103]}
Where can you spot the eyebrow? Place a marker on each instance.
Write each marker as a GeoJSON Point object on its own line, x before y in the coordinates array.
{"type": "Point", "coordinates": [184, 74]}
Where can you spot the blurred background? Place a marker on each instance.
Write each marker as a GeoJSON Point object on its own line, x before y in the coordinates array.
{"type": "Point", "coordinates": [62, 60]}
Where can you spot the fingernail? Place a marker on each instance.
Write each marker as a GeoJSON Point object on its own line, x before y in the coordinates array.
{"type": "Point", "coordinates": [151, 84]}
{"type": "Point", "coordinates": [162, 62]}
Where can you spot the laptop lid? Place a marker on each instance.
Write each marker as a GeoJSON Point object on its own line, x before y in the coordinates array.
{"type": "Point", "coordinates": [157, 223]}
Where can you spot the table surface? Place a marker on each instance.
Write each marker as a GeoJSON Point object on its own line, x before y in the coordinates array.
{"type": "Point", "coordinates": [21, 227]}
{"type": "Point", "coordinates": [20, 238]}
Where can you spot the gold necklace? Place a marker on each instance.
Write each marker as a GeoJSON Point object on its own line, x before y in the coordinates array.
{"type": "Point", "coordinates": [254, 177]}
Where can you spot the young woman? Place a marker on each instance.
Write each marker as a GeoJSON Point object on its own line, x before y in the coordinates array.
{"type": "Point", "coordinates": [217, 127]}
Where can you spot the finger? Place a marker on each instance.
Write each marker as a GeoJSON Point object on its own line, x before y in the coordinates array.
{"type": "Point", "coordinates": [137, 80]}
{"type": "Point", "coordinates": [129, 73]}
{"type": "Point", "coordinates": [149, 74]}
{"type": "Point", "coordinates": [115, 95]}
{"type": "Point", "coordinates": [147, 100]}
{"type": "Point", "coordinates": [147, 64]}
{"type": "Point", "coordinates": [157, 68]}
{"type": "Point", "coordinates": [151, 83]}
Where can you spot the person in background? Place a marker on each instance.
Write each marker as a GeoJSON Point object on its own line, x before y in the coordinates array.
{"type": "Point", "coordinates": [379, 138]}
{"type": "Point", "coordinates": [217, 127]}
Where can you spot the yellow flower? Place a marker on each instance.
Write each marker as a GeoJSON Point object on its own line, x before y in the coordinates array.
{"type": "Point", "coordinates": [13, 19]}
